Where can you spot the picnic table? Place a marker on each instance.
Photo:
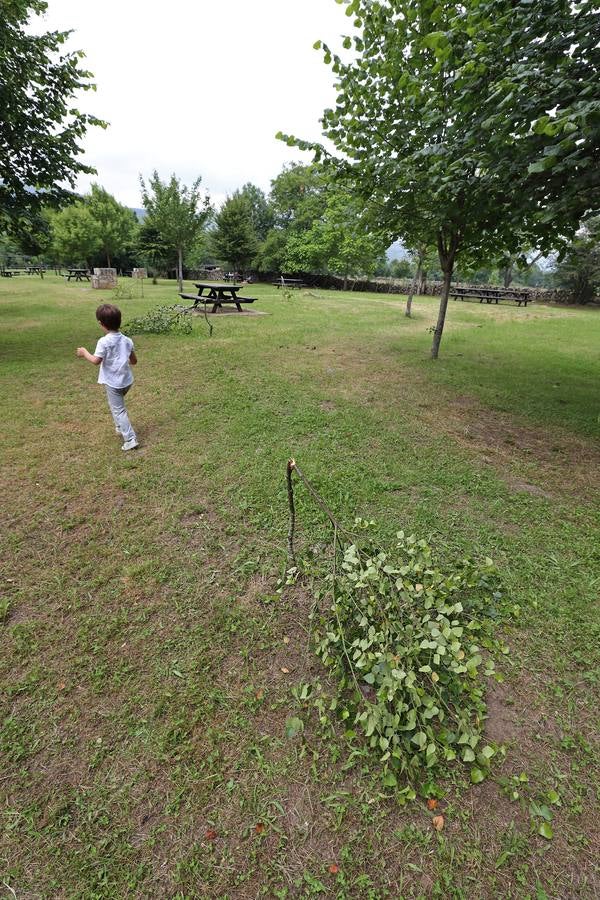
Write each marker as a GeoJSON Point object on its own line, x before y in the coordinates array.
{"type": "Point", "coordinates": [77, 274]}
{"type": "Point", "coordinates": [9, 273]}
{"type": "Point", "coordinates": [289, 282]}
{"type": "Point", "coordinates": [490, 295]}
{"type": "Point", "coordinates": [218, 295]}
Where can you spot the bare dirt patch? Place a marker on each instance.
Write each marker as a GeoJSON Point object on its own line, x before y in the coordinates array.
{"type": "Point", "coordinates": [503, 440]}
{"type": "Point", "coordinates": [499, 439]}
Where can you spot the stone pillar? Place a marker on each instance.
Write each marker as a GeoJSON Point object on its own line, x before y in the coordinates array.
{"type": "Point", "coordinates": [104, 278]}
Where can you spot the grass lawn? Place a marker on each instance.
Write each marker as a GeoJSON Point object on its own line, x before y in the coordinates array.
{"type": "Point", "coordinates": [148, 663]}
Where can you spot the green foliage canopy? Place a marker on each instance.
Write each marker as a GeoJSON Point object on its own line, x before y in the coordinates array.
{"type": "Point", "coordinates": [40, 128]}
{"type": "Point", "coordinates": [578, 272]}
{"type": "Point", "coordinates": [261, 211]}
{"type": "Point", "coordinates": [234, 238]}
{"type": "Point", "coordinates": [178, 213]}
{"type": "Point", "coordinates": [76, 235]}
{"type": "Point", "coordinates": [297, 200]}
{"type": "Point", "coordinates": [342, 241]}
{"type": "Point", "coordinates": [116, 223]}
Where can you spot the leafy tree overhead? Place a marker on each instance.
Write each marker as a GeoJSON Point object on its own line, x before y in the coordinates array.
{"type": "Point", "coordinates": [116, 223]}
{"type": "Point", "coordinates": [422, 129]}
{"type": "Point", "coordinates": [40, 128]}
{"type": "Point", "coordinates": [234, 239]}
{"type": "Point", "coordinates": [178, 214]}
{"type": "Point", "coordinates": [543, 109]}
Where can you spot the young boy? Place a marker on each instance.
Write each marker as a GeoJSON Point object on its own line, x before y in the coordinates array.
{"type": "Point", "coordinates": [115, 355]}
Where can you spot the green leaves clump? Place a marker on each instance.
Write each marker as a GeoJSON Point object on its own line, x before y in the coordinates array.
{"type": "Point", "coordinates": [160, 320]}
{"type": "Point", "coordinates": [409, 645]}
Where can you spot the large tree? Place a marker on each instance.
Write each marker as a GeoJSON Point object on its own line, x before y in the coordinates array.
{"type": "Point", "coordinates": [261, 211]}
{"type": "Point", "coordinates": [421, 127]}
{"type": "Point", "coordinates": [578, 271]}
{"type": "Point", "coordinates": [234, 239]}
{"type": "Point", "coordinates": [116, 223]}
{"type": "Point", "coordinates": [297, 200]}
{"type": "Point", "coordinates": [40, 128]}
{"type": "Point", "coordinates": [343, 240]}
{"type": "Point", "coordinates": [76, 236]}
{"type": "Point", "coordinates": [178, 214]}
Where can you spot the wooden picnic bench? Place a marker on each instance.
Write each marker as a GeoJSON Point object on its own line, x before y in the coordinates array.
{"type": "Point", "coordinates": [490, 295]}
{"type": "Point", "coordinates": [218, 295]}
{"type": "Point", "coordinates": [10, 273]}
{"type": "Point", "coordinates": [77, 274]}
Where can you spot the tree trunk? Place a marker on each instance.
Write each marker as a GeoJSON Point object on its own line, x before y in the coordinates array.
{"type": "Point", "coordinates": [345, 285]}
{"type": "Point", "coordinates": [409, 299]}
{"type": "Point", "coordinates": [508, 275]}
{"type": "Point", "coordinates": [180, 268]}
{"type": "Point", "coordinates": [447, 254]}
{"type": "Point", "coordinates": [108, 259]}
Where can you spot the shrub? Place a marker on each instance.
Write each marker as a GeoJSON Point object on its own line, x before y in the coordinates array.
{"type": "Point", "coordinates": [160, 320]}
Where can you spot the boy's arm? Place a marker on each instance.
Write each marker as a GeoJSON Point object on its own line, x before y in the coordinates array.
{"type": "Point", "coordinates": [85, 354]}
{"type": "Point", "coordinates": [133, 358]}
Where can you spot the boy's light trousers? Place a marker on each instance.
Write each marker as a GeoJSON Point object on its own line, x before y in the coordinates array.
{"type": "Point", "coordinates": [116, 404]}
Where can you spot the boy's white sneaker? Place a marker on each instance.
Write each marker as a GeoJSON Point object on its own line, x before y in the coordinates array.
{"type": "Point", "coordinates": [130, 445]}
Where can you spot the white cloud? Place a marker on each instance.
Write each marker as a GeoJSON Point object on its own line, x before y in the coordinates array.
{"type": "Point", "coordinates": [199, 88]}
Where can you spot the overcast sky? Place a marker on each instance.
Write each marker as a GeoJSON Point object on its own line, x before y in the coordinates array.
{"type": "Point", "coordinates": [199, 88]}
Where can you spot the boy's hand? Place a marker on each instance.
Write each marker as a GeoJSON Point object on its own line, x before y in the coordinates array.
{"type": "Point", "coordinates": [81, 351]}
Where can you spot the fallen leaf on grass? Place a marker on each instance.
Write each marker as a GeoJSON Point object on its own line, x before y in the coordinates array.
{"type": "Point", "coordinates": [334, 869]}
{"type": "Point", "coordinates": [285, 670]}
{"type": "Point", "coordinates": [259, 828]}
{"type": "Point", "coordinates": [432, 804]}
{"type": "Point", "coordinates": [286, 640]}
{"type": "Point", "coordinates": [260, 694]}
{"type": "Point", "coordinates": [210, 834]}
{"type": "Point", "coordinates": [438, 822]}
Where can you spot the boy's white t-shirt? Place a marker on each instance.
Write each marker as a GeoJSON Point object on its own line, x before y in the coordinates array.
{"type": "Point", "coordinates": [115, 349]}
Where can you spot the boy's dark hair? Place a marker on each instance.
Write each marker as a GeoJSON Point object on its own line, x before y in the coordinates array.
{"type": "Point", "coordinates": [109, 316]}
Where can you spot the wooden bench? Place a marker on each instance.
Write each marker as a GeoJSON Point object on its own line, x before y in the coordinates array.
{"type": "Point", "coordinates": [289, 282]}
{"type": "Point", "coordinates": [490, 295]}
{"type": "Point", "coordinates": [216, 303]}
